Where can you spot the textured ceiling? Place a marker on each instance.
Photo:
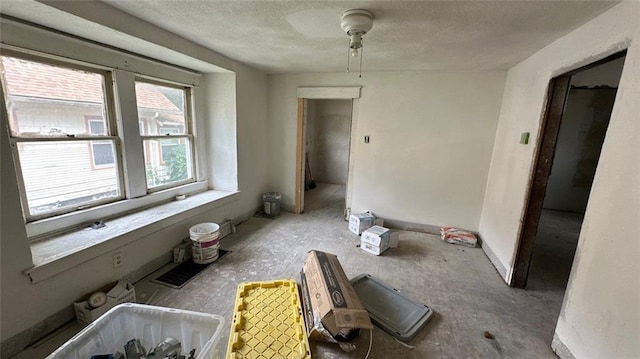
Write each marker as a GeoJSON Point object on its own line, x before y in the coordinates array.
{"type": "Point", "coordinates": [285, 36]}
{"type": "Point", "coordinates": [305, 36]}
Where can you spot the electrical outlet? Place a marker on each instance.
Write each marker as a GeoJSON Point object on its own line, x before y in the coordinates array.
{"type": "Point", "coordinates": [117, 260]}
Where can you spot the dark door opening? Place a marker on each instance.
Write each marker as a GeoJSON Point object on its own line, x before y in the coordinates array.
{"type": "Point", "coordinates": [572, 135]}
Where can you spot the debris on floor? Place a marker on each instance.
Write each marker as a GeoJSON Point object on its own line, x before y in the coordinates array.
{"type": "Point", "coordinates": [397, 314]}
{"type": "Point", "coordinates": [375, 240]}
{"type": "Point", "coordinates": [93, 305]}
{"type": "Point", "coordinates": [333, 311]}
{"type": "Point", "coordinates": [360, 222]}
{"type": "Point", "coordinates": [488, 335]}
{"type": "Point", "coordinates": [458, 236]}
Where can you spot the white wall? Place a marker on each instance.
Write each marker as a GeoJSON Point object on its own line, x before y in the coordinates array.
{"type": "Point", "coordinates": [431, 137]}
{"type": "Point", "coordinates": [331, 134]}
{"type": "Point", "coordinates": [25, 304]}
{"type": "Point", "coordinates": [601, 312]}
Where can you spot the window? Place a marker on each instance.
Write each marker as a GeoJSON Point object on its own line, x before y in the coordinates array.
{"type": "Point", "coordinates": [58, 153]}
{"type": "Point", "coordinates": [101, 151]}
{"type": "Point", "coordinates": [166, 138]}
{"type": "Point", "coordinates": [74, 151]}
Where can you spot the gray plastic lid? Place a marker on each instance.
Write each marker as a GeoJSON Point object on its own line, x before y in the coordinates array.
{"type": "Point", "coordinates": [390, 309]}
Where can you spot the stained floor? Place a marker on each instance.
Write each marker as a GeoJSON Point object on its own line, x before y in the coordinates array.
{"type": "Point", "coordinates": [460, 284]}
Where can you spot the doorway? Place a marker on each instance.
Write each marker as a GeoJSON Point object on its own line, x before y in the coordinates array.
{"type": "Point", "coordinates": [327, 140]}
{"type": "Point", "coordinates": [571, 138]}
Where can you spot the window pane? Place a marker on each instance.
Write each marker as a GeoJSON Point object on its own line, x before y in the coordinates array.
{"type": "Point", "coordinates": [160, 109]}
{"type": "Point", "coordinates": [102, 153]}
{"type": "Point", "coordinates": [167, 161]}
{"type": "Point", "coordinates": [46, 100]}
{"type": "Point", "coordinates": [64, 174]}
{"type": "Point", "coordinates": [97, 127]}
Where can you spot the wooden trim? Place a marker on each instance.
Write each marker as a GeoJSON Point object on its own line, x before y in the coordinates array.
{"type": "Point", "coordinates": [558, 93]}
{"type": "Point", "coordinates": [299, 157]}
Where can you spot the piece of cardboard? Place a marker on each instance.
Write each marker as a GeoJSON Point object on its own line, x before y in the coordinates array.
{"type": "Point", "coordinates": [117, 293]}
{"type": "Point", "coordinates": [330, 302]}
{"type": "Point", "coordinates": [359, 222]}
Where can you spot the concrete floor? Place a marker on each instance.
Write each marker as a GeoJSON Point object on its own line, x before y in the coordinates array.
{"type": "Point", "coordinates": [459, 284]}
{"type": "Point", "coordinates": [554, 249]}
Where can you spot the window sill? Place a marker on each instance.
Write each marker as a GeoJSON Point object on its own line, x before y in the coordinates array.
{"type": "Point", "coordinates": [60, 253]}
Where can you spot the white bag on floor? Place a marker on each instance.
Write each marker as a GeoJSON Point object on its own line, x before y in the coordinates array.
{"type": "Point", "coordinates": [458, 236]}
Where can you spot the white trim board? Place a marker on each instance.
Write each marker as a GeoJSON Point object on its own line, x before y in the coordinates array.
{"type": "Point", "coordinates": [329, 93]}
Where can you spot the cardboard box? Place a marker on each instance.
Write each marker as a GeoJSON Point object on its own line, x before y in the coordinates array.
{"type": "Point", "coordinates": [331, 306]}
{"type": "Point", "coordinates": [117, 293]}
{"type": "Point", "coordinates": [360, 222]}
{"type": "Point", "coordinates": [375, 240]}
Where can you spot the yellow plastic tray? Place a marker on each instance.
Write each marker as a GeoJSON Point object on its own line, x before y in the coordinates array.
{"type": "Point", "coordinates": [267, 322]}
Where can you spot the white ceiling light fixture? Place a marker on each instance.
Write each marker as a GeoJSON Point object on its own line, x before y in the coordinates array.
{"type": "Point", "coordinates": [356, 23]}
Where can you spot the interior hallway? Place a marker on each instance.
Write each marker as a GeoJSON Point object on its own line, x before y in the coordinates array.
{"type": "Point", "coordinates": [464, 290]}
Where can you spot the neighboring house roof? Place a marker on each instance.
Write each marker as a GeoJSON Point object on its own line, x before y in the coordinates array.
{"type": "Point", "coordinates": [36, 80]}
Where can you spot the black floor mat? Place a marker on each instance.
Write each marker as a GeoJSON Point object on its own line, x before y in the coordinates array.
{"type": "Point", "coordinates": [182, 274]}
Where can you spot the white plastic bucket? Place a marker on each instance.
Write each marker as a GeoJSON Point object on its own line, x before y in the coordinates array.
{"type": "Point", "coordinates": [204, 242]}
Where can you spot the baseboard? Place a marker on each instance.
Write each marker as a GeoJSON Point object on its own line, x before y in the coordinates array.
{"type": "Point", "coordinates": [27, 337]}
{"type": "Point", "coordinates": [247, 215]}
{"type": "Point", "coordinates": [287, 207]}
{"type": "Point", "coordinates": [560, 349]}
{"type": "Point", "coordinates": [493, 258]}
{"type": "Point", "coordinates": [413, 227]}
{"type": "Point", "coordinates": [22, 340]}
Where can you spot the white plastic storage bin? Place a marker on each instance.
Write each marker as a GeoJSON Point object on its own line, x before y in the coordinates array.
{"type": "Point", "coordinates": [109, 333]}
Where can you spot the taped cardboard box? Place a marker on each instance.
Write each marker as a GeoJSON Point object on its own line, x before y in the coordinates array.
{"type": "Point", "coordinates": [375, 240]}
{"type": "Point", "coordinates": [359, 222]}
{"type": "Point", "coordinates": [332, 308]}
{"type": "Point", "coordinates": [117, 293]}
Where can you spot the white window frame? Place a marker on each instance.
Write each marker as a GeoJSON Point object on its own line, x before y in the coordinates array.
{"type": "Point", "coordinates": [124, 123]}
{"type": "Point", "coordinates": [188, 132]}
{"type": "Point", "coordinates": [111, 135]}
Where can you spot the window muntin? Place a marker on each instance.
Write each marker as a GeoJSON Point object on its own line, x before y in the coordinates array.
{"type": "Point", "coordinates": [165, 134]}
{"type": "Point", "coordinates": [60, 168]}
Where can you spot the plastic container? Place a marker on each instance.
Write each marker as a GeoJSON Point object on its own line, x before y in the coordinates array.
{"type": "Point", "coordinates": [267, 322]}
{"type": "Point", "coordinates": [151, 325]}
{"type": "Point", "coordinates": [205, 242]}
{"type": "Point", "coordinates": [272, 203]}
{"type": "Point", "coordinates": [390, 309]}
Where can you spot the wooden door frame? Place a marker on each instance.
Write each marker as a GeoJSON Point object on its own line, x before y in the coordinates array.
{"type": "Point", "coordinates": [558, 93]}
{"type": "Point", "coordinates": [550, 127]}
{"type": "Point", "coordinates": [320, 93]}
{"type": "Point", "coordinates": [299, 157]}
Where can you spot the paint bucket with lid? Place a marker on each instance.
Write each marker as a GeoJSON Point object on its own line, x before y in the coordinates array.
{"type": "Point", "coordinates": [205, 242]}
